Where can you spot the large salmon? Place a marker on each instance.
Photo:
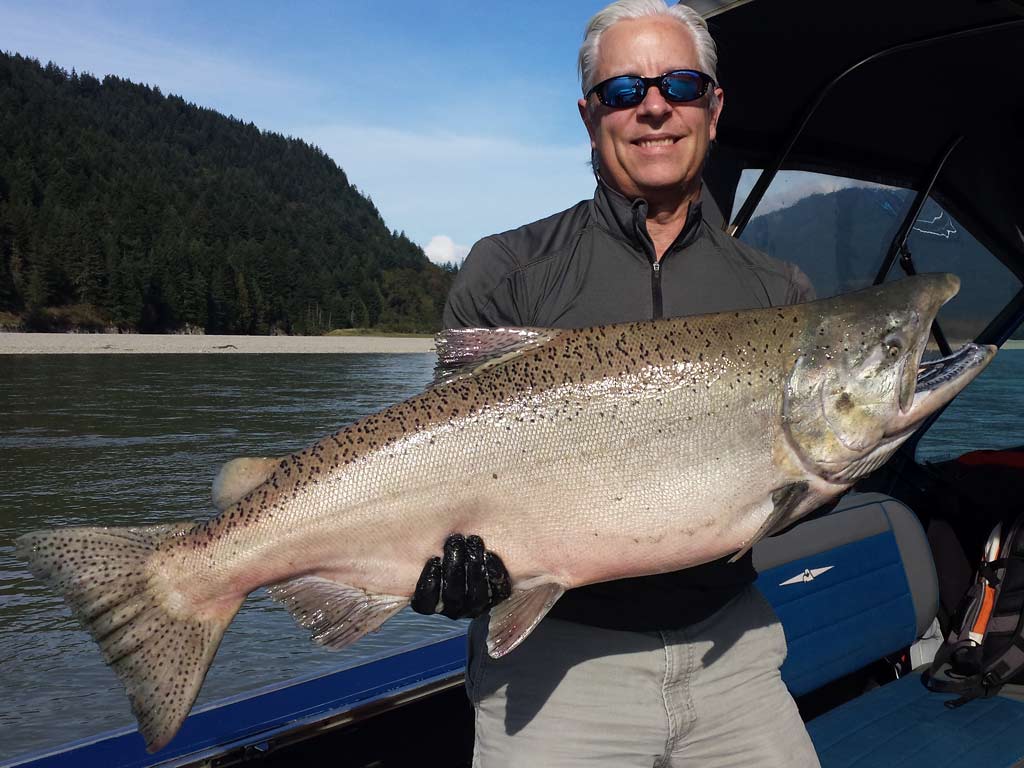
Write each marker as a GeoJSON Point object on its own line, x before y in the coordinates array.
{"type": "Point", "coordinates": [578, 455]}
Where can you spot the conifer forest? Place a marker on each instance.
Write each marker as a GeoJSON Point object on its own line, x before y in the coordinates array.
{"type": "Point", "coordinates": [124, 208]}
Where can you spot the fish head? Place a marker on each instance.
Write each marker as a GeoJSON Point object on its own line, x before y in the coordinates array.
{"type": "Point", "coordinates": [858, 389]}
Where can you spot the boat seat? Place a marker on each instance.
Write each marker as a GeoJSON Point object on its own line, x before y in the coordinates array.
{"type": "Point", "coordinates": [851, 587]}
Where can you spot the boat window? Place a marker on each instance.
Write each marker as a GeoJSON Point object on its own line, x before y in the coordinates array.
{"type": "Point", "coordinates": [835, 229]}
{"type": "Point", "coordinates": [938, 243]}
{"type": "Point", "coordinates": [986, 415]}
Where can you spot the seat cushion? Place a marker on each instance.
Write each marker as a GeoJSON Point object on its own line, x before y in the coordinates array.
{"type": "Point", "coordinates": [849, 588]}
{"type": "Point", "coordinates": [904, 724]}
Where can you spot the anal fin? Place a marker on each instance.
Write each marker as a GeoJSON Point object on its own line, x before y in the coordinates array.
{"type": "Point", "coordinates": [335, 614]}
{"type": "Point", "coordinates": [784, 501]}
{"type": "Point", "coordinates": [514, 619]}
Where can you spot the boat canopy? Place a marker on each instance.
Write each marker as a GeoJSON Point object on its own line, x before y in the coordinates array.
{"type": "Point", "coordinates": [895, 93]}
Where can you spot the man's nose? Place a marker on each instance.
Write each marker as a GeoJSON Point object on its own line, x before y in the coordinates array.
{"type": "Point", "coordinates": [654, 104]}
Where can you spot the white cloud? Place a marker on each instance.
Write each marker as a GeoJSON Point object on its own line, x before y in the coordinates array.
{"type": "Point", "coordinates": [467, 186]}
{"type": "Point", "coordinates": [443, 250]}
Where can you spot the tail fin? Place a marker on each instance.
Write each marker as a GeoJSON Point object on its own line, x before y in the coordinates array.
{"type": "Point", "coordinates": [158, 649]}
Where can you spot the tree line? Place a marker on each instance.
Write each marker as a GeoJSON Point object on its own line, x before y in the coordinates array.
{"type": "Point", "coordinates": [123, 207]}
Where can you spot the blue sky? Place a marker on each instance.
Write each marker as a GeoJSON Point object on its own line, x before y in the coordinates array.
{"type": "Point", "coordinates": [458, 118]}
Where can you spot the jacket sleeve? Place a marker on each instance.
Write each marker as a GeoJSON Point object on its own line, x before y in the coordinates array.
{"type": "Point", "coordinates": [483, 294]}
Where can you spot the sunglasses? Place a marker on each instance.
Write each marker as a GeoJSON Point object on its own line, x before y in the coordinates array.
{"type": "Point", "coordinates": [678, 86]}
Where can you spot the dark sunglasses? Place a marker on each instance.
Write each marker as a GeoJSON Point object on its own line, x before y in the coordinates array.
{"type": "Point", "coordinates": [679, 86]}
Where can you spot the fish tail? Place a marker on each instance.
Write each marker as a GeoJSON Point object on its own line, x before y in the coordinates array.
{"type": "Point", "coordinates": [159, 646]}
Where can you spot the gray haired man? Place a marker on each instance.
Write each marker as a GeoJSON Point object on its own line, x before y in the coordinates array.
{"type": "Point", "coordinates": [667, 670]}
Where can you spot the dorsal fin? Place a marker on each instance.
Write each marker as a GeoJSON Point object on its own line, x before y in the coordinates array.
{"type": "Point", "coordinates": [462, 351]}
{"type": "Point", "coordinates": [238, 477]}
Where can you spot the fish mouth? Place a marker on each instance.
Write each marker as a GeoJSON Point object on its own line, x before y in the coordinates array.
{"type": "Point", "coordinates": [940, 380]}
{"type": "Point", "coordinates": [932, 374]}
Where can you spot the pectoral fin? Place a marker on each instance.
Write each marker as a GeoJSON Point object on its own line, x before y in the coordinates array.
{"type": "Point", "coordinates": [238, 477]}
{"type": "Point", "coordinates": [514, 619]}
{"type": "Point", "coordinates": [784, 501]}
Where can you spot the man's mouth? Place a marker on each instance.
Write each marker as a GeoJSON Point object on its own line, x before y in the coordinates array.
{"type": "Point", "coordinates": [655, 141]}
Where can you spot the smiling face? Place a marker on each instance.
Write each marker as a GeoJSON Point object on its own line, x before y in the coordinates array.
{"type": "Point", "coordinates": [655, 150]}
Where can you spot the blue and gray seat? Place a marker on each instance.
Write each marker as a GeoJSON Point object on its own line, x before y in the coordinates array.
{"type": "Point", "coordinates": [850, 588]}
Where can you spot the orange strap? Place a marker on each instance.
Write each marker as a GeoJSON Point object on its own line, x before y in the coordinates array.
{"type": "Point", "coordinates": [987, 603]}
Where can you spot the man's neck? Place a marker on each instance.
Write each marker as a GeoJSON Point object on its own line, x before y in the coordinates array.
{"type": "Point", "coordinates": [666, 215]}
{"type": "Point", "coordinates": [665, 220]}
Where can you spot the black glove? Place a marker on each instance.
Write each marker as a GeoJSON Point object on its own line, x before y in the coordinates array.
{"type": "Point", "coordinates": [466, 583]}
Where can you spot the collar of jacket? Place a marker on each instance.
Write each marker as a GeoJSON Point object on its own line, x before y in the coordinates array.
{"type": "Point", "coordinates": [626, 220]}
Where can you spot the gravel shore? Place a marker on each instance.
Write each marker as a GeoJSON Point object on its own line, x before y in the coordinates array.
{"type": "Point", "coordinates": [180, 344]}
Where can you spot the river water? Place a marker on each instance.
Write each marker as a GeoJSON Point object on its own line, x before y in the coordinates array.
{"type": "Point", "coordinates": [115, 440]}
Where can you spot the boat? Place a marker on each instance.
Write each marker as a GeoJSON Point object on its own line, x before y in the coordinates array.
{"type": "Point", "coordinates": [922, 103]}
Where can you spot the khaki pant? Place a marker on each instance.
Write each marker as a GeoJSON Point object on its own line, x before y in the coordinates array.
{"type": "Point", "coordinates": [709, 695]}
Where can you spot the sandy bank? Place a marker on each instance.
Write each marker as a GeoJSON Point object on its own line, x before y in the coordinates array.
{"type": "Point", "coordinates": [137, 343]}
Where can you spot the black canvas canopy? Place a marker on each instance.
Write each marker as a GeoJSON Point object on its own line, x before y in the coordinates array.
{"type": "Point", "coordinates": [879, 90]}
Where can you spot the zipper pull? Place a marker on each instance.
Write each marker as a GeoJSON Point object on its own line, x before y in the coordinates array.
{"type": "Point", "coordinates": [656, 266]}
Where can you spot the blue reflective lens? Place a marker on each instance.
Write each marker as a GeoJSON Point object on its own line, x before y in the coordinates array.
{"type": "Point", "coordinates": [623, 92]}
{"type": "Point", "coordinates": [682, 86]}
{"type": "Point", "coordinates": [629, 90]}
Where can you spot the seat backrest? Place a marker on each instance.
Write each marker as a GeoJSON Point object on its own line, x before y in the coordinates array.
{"type": "Point", "coordinates": [849, 587]}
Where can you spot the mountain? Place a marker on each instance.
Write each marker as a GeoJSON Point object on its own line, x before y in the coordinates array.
{"type": "Point", "coordinates": [840, 238]}
{"type": "Point", "coordinates": [123, 207]}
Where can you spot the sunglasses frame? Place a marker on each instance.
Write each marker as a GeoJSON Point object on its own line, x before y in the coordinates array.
{"type": "Point", "coordinates": [649, 82]}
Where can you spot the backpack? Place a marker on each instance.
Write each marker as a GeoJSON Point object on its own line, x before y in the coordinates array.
{"type": "Point", "coordinates": [985, 647]}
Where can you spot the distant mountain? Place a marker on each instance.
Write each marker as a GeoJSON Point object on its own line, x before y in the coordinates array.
{"type": "Point", "coordinates": [120, 206]}
{"type": "Point", "coordinates": [839, 239]}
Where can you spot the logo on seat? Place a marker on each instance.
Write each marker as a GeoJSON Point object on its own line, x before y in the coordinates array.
{"type": "Point", "coordinates": [809, 574]}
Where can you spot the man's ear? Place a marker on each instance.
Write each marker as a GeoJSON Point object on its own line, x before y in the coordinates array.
{"type": "Point", "coordinates": [716, 113]}
{"type": "Point", "coordinates": [585, 116]}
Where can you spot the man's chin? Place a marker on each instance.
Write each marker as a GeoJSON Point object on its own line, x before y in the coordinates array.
{"type": "Point", "coordinates": [651, 182]}
{"type": "Point", "coordinates": [664, 187]}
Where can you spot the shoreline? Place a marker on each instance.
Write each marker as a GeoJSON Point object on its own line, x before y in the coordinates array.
{"type": "Point", "coordinates": [17, 343]}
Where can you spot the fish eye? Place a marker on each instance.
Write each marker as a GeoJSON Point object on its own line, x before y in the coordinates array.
{"type": "Point", "coordinates": [893, 346]}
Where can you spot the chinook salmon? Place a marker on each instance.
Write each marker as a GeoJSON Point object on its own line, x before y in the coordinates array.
{"type": "Point", "coordinates": [578, 455]}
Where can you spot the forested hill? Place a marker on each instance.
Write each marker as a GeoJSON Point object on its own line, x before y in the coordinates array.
{"type": "Point", "coordinates": [123, 207]}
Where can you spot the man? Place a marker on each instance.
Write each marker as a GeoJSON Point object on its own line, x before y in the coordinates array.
{"type": "Point", "coordinates": [674, 669]}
